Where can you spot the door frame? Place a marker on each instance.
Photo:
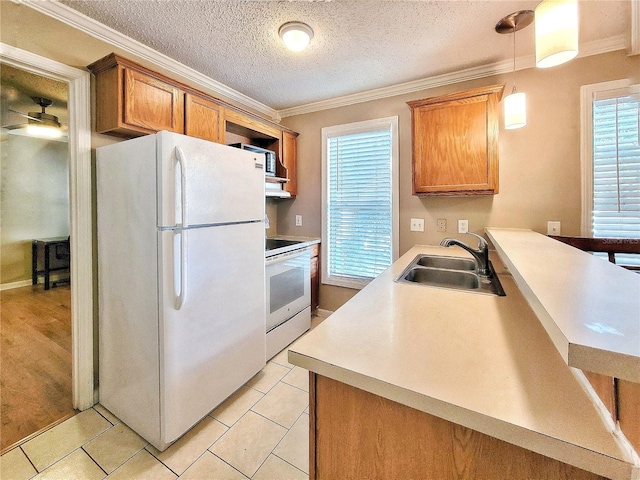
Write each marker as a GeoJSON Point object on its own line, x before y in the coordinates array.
{"type": "Point", "coordinates": [80, 203]}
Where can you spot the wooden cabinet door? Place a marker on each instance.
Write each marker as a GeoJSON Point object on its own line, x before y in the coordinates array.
{"type": "Point", "coordinates": [151, 104]}
{"type": "Point", "coordinates": [455, 143]}
{"type": "Point", "coordinates": [289, 160]}
{"type": "Point", "coordinates": [203, 119]}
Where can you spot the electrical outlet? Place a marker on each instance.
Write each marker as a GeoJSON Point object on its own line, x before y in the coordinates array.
{"type": "Point", "coordinates": [298, 220]}
{"type": "Point", "coordinates": [463, 226]}
{"type": "Point", "coordinates": [417, 224]}
{"type": "Point", "coordinates": [441, 224]}
{"type": "Point", "coordinates": [553, 228]}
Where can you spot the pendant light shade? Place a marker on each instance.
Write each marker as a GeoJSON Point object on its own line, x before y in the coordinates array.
{"type": "Point", "coordinates": [556, 32]}
{"type": "Point", "coordinates": [296, 35]}
{"type": "Point", "coordinates": [515, 110]}
{"type": "Point", "coordinates": [515, 105]}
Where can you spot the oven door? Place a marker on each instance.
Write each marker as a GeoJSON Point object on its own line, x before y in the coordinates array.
{"type": "Point", "coordinates": [288, 285]}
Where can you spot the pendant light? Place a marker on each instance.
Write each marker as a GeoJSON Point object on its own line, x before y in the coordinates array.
{"type": "Point", "coordinates": [515, 104]}
{"type": "Point", "coordinates": [556, 32]}
{"type": "Point", "coordinates": [296, 35]}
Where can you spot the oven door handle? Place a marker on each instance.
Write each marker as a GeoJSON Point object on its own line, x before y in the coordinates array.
{"type": "Point", "coordinates": [281, 257]}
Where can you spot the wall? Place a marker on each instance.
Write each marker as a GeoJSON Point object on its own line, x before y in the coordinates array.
{"type": "Point", "coordinates": [539, 164]}
{"type": "Point", "coordinates": [34, 200]}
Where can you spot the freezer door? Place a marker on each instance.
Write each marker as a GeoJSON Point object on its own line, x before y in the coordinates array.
{"type": "Point", "coordinates": [215, 342]}
{"type": "Point", "coordinates": [203, 183]}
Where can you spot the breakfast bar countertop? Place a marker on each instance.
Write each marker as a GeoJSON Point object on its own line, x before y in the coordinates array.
{"type": "Point", "coordinates": [589, 307]}
{"type": "Point", "coordinates": [482, 361]}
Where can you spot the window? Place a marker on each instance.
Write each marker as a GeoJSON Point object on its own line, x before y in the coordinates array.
{"type": "Point", "coordinates": [360, 201]}
{"type": "Point", "coordinates": [611, 162]}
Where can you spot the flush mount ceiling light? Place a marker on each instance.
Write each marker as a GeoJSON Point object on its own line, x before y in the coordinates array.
{"type": "Point", "coordinates": [296, 35]}
{"type": "Point", "coordinates": [556, 32]}
{"type": "Point", "coordinates": [515, 105]}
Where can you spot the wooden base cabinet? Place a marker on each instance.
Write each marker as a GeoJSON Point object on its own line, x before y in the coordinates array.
{"type": "Point", "coordinates": [455, 143]}
{"type": "Point", "coordinates": [355, 435]}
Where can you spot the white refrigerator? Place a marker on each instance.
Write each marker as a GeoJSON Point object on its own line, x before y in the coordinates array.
{"type": "Point", "coordinates": [181, 279]}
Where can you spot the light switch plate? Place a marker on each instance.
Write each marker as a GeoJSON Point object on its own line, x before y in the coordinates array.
{"type": "Point", "coordinates": [417, 224]}
{"type": "Point", "coordinates": [298, 220]}
{"type": "Point", "coordinates": [463, 226]}
{"type": "Point", "coordinates": [554, 228]}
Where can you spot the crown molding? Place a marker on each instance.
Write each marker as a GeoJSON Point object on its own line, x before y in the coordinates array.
{"type": "Point", "coordinates": [81, 22]}
{"type": "Point", "coordinates": [75, 19]}
{"type": "Point", "coordinates": [506, 66]}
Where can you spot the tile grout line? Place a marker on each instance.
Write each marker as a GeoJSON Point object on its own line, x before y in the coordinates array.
{"type": "Point", "coordinates": [222, 459]}
{"type": "Point", "coordinates": [28, 459]}
{"type": "Point", "coordinates": [288, 463]}
{"type": "Point", "coordinates": [90, 457]}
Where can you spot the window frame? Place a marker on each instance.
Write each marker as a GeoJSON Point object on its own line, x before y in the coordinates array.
{"type": "Point", "coordinates": [348, 129]}
{"type": "Point", "coordinates": [587, 94]}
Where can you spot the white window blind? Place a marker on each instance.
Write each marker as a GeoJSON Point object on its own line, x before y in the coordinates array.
{"type": "Point", "coordinates": [360, 201]}
{"type": "Point", "coordinates": [611, 162]}
{"type": "Point", "coordinates": [616, 167]}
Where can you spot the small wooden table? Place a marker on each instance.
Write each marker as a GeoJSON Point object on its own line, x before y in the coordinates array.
{"type": "Point", "coordinates": [44, 259]}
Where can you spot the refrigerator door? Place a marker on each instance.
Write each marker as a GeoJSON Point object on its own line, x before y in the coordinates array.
{"type": "Point", "coordinates": [204, 183]}
{"type": "Point", "coordinates": [215, 341]}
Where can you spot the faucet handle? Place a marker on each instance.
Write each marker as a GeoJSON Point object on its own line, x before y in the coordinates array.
{"type": "Point", "coordinates": [482, 243]}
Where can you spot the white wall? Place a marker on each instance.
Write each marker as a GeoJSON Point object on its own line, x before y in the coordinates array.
{"type": "Point", "coordinates": [34, 200]}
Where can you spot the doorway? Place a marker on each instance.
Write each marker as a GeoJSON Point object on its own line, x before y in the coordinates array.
{"type": "Point", "coordinates": [36, 388]}
{"type": "Point", "coordinates": [80, 215]}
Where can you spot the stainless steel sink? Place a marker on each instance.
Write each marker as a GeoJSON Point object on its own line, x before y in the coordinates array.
{"type": "Point", "coordinates": [450, 272]}
{"type": "Point", "coordinates": [451, 263]}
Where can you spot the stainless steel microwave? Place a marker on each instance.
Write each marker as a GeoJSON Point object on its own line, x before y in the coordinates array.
{"type": "Point", "coordinates": [269, 160]}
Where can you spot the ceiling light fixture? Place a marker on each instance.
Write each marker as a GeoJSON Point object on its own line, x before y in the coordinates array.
{"type": "Point", "coordinates": [39, 124]}
{"type": "Point", "coordinates": [515, 104]}
{"type": "Point", "coordinates": [296, 35]}
{"type": "Point", "coordinates": [556, 32]}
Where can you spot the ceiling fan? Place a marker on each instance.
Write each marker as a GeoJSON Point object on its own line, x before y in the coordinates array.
{"type": "Point", "coordinates": [39, 124]}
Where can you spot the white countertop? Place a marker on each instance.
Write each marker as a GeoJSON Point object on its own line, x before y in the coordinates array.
{"type": "Point", "coordinates": [589, 307]}
{"type": "Point", "coordinates": [484, 362]}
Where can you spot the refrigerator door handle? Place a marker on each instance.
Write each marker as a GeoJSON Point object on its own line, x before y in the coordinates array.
{"type": "Point", "coordinates": [182, 163]}
{"type": "Point", "coordinates": [180, 267]}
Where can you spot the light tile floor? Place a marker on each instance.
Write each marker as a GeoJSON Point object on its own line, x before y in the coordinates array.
{"type": "Point", "coordinates": [260, 432]}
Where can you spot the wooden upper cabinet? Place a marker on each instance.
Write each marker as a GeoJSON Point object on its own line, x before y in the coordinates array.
{"type": "Point", "coordinates": [152, 105]}
{"type": "Point", "coordinates": [289, 160]}
{"type": "Point", "coordinates": [455, 143]}
{"type": "Point", "coordinates": [132, 101]}
{"type": "Point", "coordinates": [203, 118]}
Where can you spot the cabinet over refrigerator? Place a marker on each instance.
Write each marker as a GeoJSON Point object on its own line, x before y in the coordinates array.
{"type": "Point", "coordinates": [181, 279]}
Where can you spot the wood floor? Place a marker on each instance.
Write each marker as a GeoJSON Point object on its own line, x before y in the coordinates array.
{"type": "Point", "coordinates": [35, 355]}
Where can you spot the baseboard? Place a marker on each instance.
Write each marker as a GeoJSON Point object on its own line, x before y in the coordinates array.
{"type": "Point", "coordinates": [25, 283]}
{"type": "Point", "coordinates": [9, 286]}
{"type": "Point", "coordinates": [322, 313]}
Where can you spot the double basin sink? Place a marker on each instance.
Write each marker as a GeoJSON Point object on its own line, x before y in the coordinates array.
{"type": "Point", "coordinates": [450, 272]}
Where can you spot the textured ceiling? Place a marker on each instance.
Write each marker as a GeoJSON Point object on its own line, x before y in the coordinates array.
{"type": "Point", "coordinates": [357, 46]}
{"type": "Point", "coordinates": [18, 86]}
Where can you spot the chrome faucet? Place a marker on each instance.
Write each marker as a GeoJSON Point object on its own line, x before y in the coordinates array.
{"type": "Point", "coordinates": [481, 255]}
